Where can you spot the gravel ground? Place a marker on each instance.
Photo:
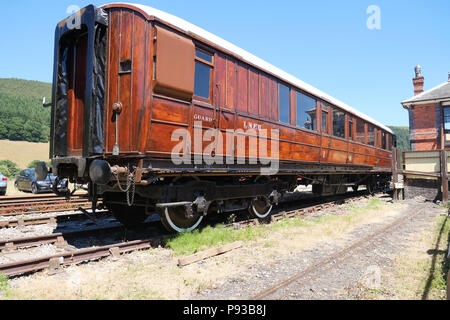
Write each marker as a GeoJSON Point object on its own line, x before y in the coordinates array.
{"type": "Point", "coordinates": [245, 272]}
{"type": "Point", "coordinates": [44, 229]}
{"type": "Point", "coordinates": [337, 280]}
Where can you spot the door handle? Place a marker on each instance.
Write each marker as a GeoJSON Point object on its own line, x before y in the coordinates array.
{"type": "Point", "coordinates": [117, 110]}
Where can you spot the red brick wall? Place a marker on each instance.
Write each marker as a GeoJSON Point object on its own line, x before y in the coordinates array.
{"type": "Point", "coordinates": [425, 131]}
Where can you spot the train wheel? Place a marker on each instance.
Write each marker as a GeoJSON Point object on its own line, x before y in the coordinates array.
{"type": "Point", "coordinates": [128, 216]}
{"type": "Point", "coordinates": [175, 220]}
{"type": "Point", "coordinates": [260, 208]}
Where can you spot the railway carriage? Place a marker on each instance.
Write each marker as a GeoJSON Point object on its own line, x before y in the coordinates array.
{"type": "Point", "coordinates": [130, 78]}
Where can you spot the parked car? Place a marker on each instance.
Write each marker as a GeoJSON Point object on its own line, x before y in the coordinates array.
{"type": "Point", "coordinates": [3, 184]}
{"type": "Point", "coordinates": [26, 181]}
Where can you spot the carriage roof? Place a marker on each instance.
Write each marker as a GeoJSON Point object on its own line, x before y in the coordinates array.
{"type": "Point", "coordinates": [245, 56]}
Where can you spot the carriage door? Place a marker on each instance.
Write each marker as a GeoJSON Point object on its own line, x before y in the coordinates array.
{"type": "Point", "coordinates": [79, 85]}
{"type": "Point", "coordinates": [76, 95]}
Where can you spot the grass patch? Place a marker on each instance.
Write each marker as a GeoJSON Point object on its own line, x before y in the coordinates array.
{"type": "Point", "coordinates": [421, 273]}
{"type": "Point", "coordinates": [4, 285]}
{"type": "Point", "coordinates": [190, 243]}
{"type": "Point", "coordinates": [436, 282]}
{"type": "Point", "coordinates": [372, 204]}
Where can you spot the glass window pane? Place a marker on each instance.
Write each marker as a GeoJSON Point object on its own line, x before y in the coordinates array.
{"type": "Point", "coordinates": [447, 118]}
{"type": "Point", "coordinates": [306, 112]}
{"type": "Point", "coordinates": [203, 55]}
{"type": "Point", "coordinates": [371, 136]}
{"type": "Point", "coordinates": [338, 123]}
{"type": "Point", "coordinates": [383, 140]}
{"type": "Point", "coordinates": [324, 121]}
{"type": "Point", "coordinates": [202, 80]}
{"type": "Point", "coordinates": [360, 132]}
{"type": "Point", "coordinates": [284, 104]}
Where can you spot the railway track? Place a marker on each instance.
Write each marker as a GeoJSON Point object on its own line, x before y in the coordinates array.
{"type": "Point", "coordinates": [46, 220]}
{"type": "Point", "coordinates": [77, 256]}
{"type": "Point", "coordinates": [40, 204]}
{"type": "Point", "coordinates": [285, 288]}
{"type": "Point", "coordinates": [60, 239]}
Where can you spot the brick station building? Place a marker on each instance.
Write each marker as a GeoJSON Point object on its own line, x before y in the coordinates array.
{"type": "Point", "coordinates": [429, 115]}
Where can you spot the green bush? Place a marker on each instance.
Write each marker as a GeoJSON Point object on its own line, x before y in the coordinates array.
{"type": "Point", "coordinates": [9, 168]}
{"type": "Point", "coordinates": [402, 134]}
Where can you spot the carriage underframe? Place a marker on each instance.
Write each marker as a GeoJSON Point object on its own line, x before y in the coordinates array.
{"type": "Point", "coordinates": [183, 196]}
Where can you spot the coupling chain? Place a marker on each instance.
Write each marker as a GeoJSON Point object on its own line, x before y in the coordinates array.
{"type": "Point", "coordinates": [131, 187]}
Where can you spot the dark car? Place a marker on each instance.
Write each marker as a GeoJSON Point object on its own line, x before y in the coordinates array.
{"type": "Point", "coordinates": [26, 181]}
{"type": "Point", "coordinates": [3, 184]}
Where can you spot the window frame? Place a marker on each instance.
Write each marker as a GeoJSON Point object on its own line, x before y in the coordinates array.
{"type": "Point", "coordinates": [350, 124]}
{"type": "Point", "coordinates": [384, 143]}
{"type": "Point", "coordinates": [297, 94]}
{"type": "Point", "coordinates": [279, 103]}
{"type": "Point", "coordinates": [334, 109]}
{"type": "Point", "coordinates": [324, 109]}
{"type": "Point", "coordinates": [369, 126]}
{"type": "Point", "coordinates": [211, 77]}
{"type": "Point", "coordinates": [364, 123]}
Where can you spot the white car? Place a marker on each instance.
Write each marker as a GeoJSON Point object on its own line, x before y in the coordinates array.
{"type": "Point", "coordinates": [3, 184]}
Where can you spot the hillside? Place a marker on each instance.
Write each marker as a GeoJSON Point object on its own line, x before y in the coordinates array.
{"type": "Point", "coordinates": [22, 117]}
{"type": "Point", "coordinates": [402, 137]}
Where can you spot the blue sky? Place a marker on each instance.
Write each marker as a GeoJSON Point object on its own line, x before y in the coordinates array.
{"type": "Point", "coordinates": [324, 43]}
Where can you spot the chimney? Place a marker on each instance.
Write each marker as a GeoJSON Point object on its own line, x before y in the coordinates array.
{"type": "Point", "coordinates": [418, 81]}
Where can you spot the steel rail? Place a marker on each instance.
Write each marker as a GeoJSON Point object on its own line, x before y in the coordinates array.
{"type": "Point", "coordinates": [334, 260]}
{"type": "Point", "coordinates": [53, 238]}
{"type": "Point", "coordinates": [38, 197]}
{"type": "Point", "coordinates": [74, 257]}
{"type": "Point", "coordinates": [42, 220]}
{"type": "Point", "coordinates": [49, 209]}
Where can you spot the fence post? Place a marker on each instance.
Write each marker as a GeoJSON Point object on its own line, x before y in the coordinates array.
{"type": "Point", "coordinates": [444, 176]}
{"type": "Point", "coordinates": [394, 173]}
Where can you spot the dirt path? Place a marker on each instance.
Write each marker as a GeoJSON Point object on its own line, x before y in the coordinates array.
{"type": "Point", "coordinates": [361, 272]}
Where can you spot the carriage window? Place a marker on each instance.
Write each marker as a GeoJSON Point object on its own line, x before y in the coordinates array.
{"type": "Point", "coordinates": [324, 119]}
{"type": "Point", "coordinates": [338, 123]}
{"type": "Point", "coordinates": [203, 55]}
{"type": "Point", "coordinates": [383, 140]}
{"type": "Point", "coordinates": [389, 142]}
{"type": "Point", "coordinates": [306, 112]}
{"type": "Point", "coordinates": [447, 119]}
{"type": "Point", "coordinates": [371, 135]}
{"type": "Point", "coordinates": [350, 128]}
{"type": "Point", "coordinates": [203, 68]}
{"type": "Point", "coordinates": [360, 131]}
{"type": "Point", "coordinates": [284, 103]}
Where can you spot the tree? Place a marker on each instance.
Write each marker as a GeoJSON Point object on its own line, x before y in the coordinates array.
{"type": "Point", "coordinates": [9, 168]}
